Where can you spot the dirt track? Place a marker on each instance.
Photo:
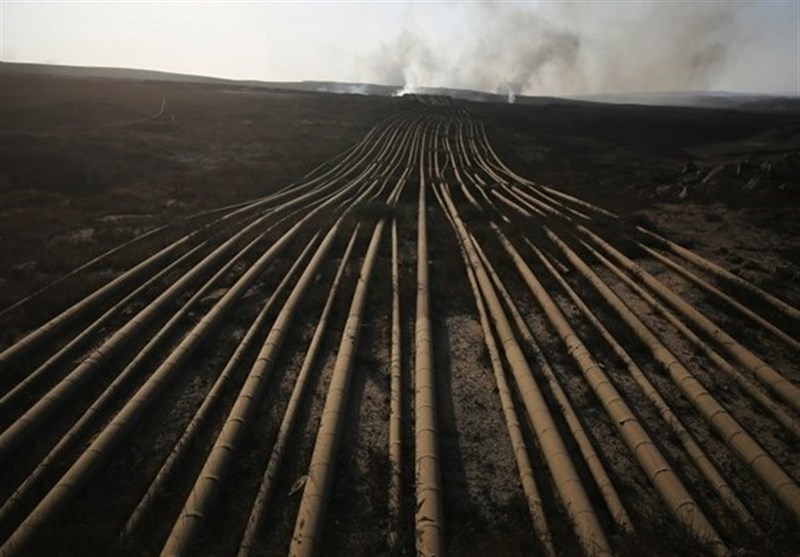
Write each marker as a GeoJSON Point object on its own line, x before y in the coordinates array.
{"type": "Point", "coordinates": [594, 397]}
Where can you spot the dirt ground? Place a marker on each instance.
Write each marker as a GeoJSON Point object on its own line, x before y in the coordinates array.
{"type": "Point", "coordinates": [86, 164]}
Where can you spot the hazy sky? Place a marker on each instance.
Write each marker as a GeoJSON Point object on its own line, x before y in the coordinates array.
{"type": "Point", "coordinates": [531, 47]}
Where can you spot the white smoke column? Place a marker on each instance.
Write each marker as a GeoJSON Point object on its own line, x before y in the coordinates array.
{"type": "Point", "coordinates": [512, 96]}
{"type": "Point", "coordinates": [411, 75]}
{"type": "Point", "coordinates": [408, 59]}
{"type": "Point", "coordinates": [556, 48]}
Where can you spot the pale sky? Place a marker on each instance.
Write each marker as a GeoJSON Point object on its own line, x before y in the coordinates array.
{"type": "Point", "coordinates": [532, 47]}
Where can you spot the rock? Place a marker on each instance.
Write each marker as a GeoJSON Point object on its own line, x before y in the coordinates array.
{"type": "Point", "coordinates": [26, 267]}
{"type": "Point", "coordinates": [742, 167]}
{"type": "Point", "coordinates": [715, 172]}
{"type": "Point", "coordinates": [752, 184]}
{"type": "Point", "coordinates": [664, 190]}
{"type": "Point", "coordinates": [75, 237]}
{"type": "Point", "coordinates": [298, 486]}
{"type": "Point", "coordinates": [214, 296]}
{"type": "Point", "coordinates": [689, 167]}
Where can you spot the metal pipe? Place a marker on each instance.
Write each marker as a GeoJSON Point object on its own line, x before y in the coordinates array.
{"type": "Point", "coordinates": [669, 486]}
{"type": "Point", "coordinates": [734, 435]}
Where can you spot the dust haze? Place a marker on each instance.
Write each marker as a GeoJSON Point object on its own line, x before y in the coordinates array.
{"type": "Point", "coordinates": [576, 48]}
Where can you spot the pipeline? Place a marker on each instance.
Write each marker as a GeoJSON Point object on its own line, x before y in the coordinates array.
{"type": "Point", "coordinates": [100, 449]}
{"type": "Point", "coordinates": [784, 308]}
{"type": "Point", "coordinates": [781, 386]}
{"type": "Point", "coordinates": [429, 523]}
{"type": "Point", "coordinates": [672, 491]}
{"type": "Point", "coordinates": [590, 456]}
{"type": "Point", "coordinates": [313, 505]}
{"type": "Point", "coordinates": [396, 407]}
{"type": "Point", "coordinates": [693, 449]}
{"type": "Point", "coordinates": [686, 273]}
{"type": "Point", "coordinates": [33, 418]}
{"type": "Point", "coordinates": [744, 446]}
{"type": "Point", "coordinates": [753, 390]}
{"type": "Point", "coordinates": [201, 416]}
{"type": "Point", "coordinates": [266, 487]}
{"type": "Point", "coordinates": [220, 460]}
{"type": "Point", "coordinates": [570, 489]}
{"type": "Point", "coordinates": [527, 478]}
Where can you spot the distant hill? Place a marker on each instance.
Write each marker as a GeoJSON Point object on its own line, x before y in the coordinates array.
{"type": "Point", "coordinates": [701, 99]}
{"type": "Point", "coordinates": [87, 72]}
{"type": "Point", "coordinates": [697, 99]}
{"type": "Point", "coordinates": [15, 68]}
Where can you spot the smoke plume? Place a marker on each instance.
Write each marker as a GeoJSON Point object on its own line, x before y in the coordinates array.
{"type": "Point", "coordinates": [564, 48]}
